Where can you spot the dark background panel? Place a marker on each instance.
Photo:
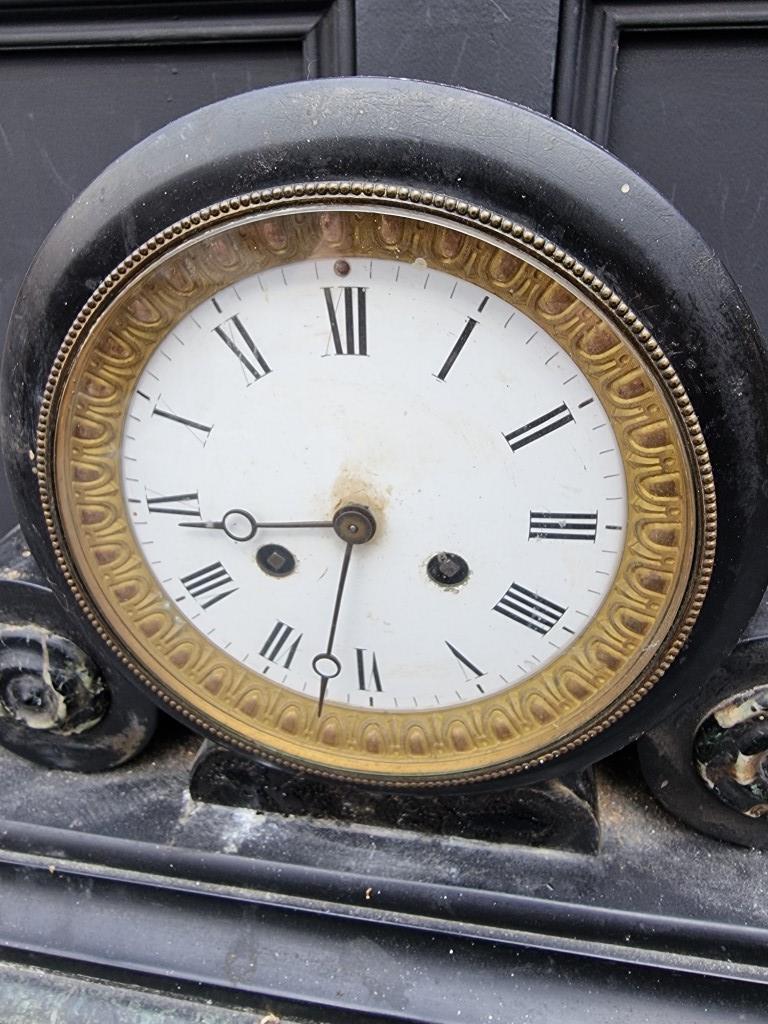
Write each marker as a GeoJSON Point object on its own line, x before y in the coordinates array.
{"type": "Point", "coordinates": [503, 47]}
{"type": "Point", "coordinates": [679, 91]}
{"type": "Point", "coordinates": [690, 113]}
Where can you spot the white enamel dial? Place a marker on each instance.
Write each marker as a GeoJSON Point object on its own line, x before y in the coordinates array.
{"type": "Point", "coordinates": [462, 426]}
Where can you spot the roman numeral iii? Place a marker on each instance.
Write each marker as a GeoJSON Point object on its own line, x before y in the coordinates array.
{"type": "Point", "coordinates": [211, 580]}
{"type": "Point", "coordinates": [277, 647]}
{"type": "Point", "coordinates": [529, 609]}
{"type": "Point", "coordinates": [241, 344]}
{"type": "Point", "coordinates": [563, 525]}
{"type": "Point", "coordinates": [539, 427]}
{"type": "Point", "coordinates": [350, 337]}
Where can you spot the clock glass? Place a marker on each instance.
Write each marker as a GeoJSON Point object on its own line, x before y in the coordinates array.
{"type": "Point", "coordinates": [370, 489]}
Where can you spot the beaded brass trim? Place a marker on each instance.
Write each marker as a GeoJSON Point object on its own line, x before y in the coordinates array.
{"type": "Point", "coordinates": [639, 629]}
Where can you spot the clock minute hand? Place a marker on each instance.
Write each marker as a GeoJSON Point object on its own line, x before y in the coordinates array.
{"type": "Point", "coordinates": [327, 665]}
{"type": "Point", "coordinates": [355, 525]}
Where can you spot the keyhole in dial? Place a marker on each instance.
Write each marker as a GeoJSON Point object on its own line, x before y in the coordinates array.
{"type": "Point", "coordinates": [447, 569]}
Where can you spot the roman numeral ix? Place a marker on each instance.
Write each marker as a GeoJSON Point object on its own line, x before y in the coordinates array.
{"type": "Point", "coordinates": [539, 427]}
{"type": "Point", "coordinates": [529, 609]}
{"type": "Point", "coordinates": [211, 579]}
{"type": "Point", "coordinates": [563, 525]}
{"type": "Point", "coordinates": [241, 344]}
{"type": "Point", "coordinates": [350, 338]}
{"type": "Point", "coordinates": [277, 648]}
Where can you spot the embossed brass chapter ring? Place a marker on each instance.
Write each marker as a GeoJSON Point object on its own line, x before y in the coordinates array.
{"type": "Point", "coordinates": [374, 479]}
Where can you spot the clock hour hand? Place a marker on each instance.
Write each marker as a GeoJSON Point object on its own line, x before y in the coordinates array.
{"type": "Point", "coordinates": [240, 525]}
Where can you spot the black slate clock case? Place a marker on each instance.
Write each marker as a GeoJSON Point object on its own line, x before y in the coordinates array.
{"type": "Point", "coordinates": [487, 152]}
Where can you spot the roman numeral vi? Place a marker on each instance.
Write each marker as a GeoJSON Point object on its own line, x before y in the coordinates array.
{"type": "Point", "coordinates": [367, 676]}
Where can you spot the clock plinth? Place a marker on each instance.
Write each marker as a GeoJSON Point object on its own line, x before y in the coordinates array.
{"type": "Point", "coordinates": [559, 814]}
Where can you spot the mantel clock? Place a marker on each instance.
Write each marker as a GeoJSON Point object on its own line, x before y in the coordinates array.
{"type": "Point", "coordinates": [391, 432]}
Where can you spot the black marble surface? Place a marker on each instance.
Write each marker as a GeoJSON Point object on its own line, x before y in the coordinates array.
{"type": "Point", "coordinates": [648, 862]}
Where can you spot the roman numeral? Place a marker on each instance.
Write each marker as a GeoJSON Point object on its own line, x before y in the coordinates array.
{"type": "Point", "coordinates": [465, 664]}
{"type": "Point", "coordinates": [176, 505]}
{"type": "Point", "coordinates": [453, 355]}
{"type": "Point", "coordinates": [277, 643]}
{"type": "Point", "coordinates": [199, 430]}
{"type": "Point", "coordinates": [241, 344]}
{"type": "Point", "coordinates": [563, 525]}
{"type": "Point", "coordinates": [352, 338]}
{"type": "Point", "coordinates": [530, 609]}
{"type": "Point", "coordinates": [367, 675]}
{"type": "Point", "coordinates": [211, 579]}
{"type": "Point", "coordinates": [539, 427]}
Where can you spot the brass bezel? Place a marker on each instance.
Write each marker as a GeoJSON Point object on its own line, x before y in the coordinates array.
{"type": "Point", "coordinates": [641, 626]}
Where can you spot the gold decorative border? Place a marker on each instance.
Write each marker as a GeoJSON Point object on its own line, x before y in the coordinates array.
{"type": "Point", "coordinates": [560, 712]}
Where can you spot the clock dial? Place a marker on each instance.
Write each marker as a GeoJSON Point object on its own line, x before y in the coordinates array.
{"type": "Point", "coordinates": [376, 489]}
{"type": "Point", "coordinates": [460, 424]}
